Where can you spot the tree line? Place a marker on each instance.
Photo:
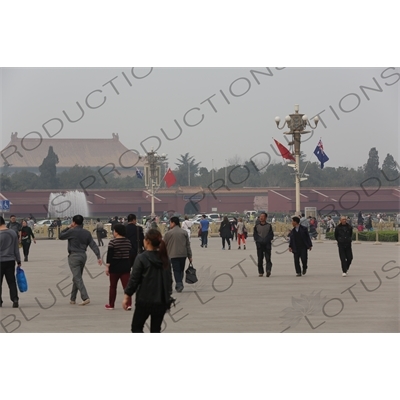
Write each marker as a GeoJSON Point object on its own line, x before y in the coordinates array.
{"type": "Point", "coordinates": [237, 174]}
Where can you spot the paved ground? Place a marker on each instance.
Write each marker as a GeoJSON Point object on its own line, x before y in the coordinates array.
{"type": "Point", "coordinates": [229, 297]}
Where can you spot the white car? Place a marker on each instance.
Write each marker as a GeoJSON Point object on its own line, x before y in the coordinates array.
{"type": "Point", "coordinates": [47, 222]}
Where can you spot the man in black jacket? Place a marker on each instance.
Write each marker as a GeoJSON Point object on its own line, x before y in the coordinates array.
{"type": "Point", "coordinates": [135, 234]}
{"type": "Point", "coordinates": [344, 237]}
{"type": "Point", "coordinates": [263, 236]}
{"type": "Point", "coordinates": [299, 244]}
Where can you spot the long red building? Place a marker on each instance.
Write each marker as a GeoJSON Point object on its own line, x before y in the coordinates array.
{"type": "Point", "coordinates": [190, 200]}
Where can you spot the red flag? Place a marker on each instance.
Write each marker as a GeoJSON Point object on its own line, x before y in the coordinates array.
{"type": "Point", "coordinates": [169, 178]}
{"type": "Point", "coordinates": [284, 151]}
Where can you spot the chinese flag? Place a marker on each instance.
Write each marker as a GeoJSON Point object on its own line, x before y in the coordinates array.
{"type": "Point", "coordinates": [169, 178]}
{"type": "Point", "coordinates": [284, 151]}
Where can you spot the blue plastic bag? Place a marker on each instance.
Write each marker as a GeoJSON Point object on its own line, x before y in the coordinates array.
{"type": "Point", "coordinates": [21, 280]}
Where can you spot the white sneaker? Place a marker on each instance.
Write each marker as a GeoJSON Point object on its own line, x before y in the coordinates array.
{"type": "Point", "coordinates": [344, 274]}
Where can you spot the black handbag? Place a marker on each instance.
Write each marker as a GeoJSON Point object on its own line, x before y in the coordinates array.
{"type": "Point", "coordinates": [190, 274]}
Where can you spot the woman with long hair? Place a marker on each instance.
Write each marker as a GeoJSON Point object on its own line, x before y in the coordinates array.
{"type": "Point", "coordinates": [225, 232]}
{"type": "Point", "coordinates": [151, 280]}
{"type": "Point", "coordinates": [26, 235]}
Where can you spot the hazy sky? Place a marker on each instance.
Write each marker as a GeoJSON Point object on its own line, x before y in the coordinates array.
{"type": "Point", "coordinates": [244, 127]}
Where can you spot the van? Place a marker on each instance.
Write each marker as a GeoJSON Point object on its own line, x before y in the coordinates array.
{"type": "Point", "coordinates": [251, 214]}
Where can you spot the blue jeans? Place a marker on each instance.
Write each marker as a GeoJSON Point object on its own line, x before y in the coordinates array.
{"type": "Point", "coordinates": [178, 266]}
{"type": "Point", "coordinates": [77, 263]}
{"type": "Point", "coordinates": [204, 238]}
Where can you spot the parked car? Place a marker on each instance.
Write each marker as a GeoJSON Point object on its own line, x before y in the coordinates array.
{"type": "Point", "coordinates": [197, 220]}
{"type": "Point", "coordinates": [44, 222]}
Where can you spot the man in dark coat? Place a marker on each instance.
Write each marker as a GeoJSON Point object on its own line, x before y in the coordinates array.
{"type": "Point", "coordinates": [263, 236]}
{"type": "Point", "coordinates": [299, 244]}
{"type": "Point", "coordinates": [344, 237]}
{"type": "Point", "coordinates": [135, 234]}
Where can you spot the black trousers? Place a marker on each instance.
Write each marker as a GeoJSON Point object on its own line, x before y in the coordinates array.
{"type": "Point", "coordinates": [346, 256]}
{"type": "Point", "coordinates": [228, 240]}
{"type": "Point", "coordinates": [301, 254]}
{"type": "Point", "coordinates": [25, 247]}
{"type": "Point", "coordinates": [7, 269]}
{"type": "Point", "coordinates": [142, 312]}
{"type": "Point", "coordinates": [263, 252]}
{"type": "Point", "coordinates": [99, 238]}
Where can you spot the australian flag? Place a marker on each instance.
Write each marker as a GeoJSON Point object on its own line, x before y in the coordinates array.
{"type": "Point", "coordinates": [139, 173]}
{"type": "Point", "coordinates": [321, 155]}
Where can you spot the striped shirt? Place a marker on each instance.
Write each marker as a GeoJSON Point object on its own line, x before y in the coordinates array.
{"type": "Point", "coordinates": [118, 255]}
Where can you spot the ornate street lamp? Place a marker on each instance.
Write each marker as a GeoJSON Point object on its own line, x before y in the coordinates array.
{"type": "Point", "coordinates": [152, 173]}
{"type": "Point", "coordinates": [297, 123]}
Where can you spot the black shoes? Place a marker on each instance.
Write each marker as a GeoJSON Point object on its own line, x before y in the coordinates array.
{"type": "Point", "coordinates": [268, 274]}
{"type": "Point", "coordinates": [179, 289]}
{"type": "Point", "coordinates": [298, 274]}
{"type": "Point", "coordinates": [15, 304]}
{"type": "Point", "coordinates": [26, 259]}
{"type": "Point", "coordinates": [304, 271]}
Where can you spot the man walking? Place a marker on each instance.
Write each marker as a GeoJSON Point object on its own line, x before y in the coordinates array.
{"type": "Point", "coordinates": [299, 244]}
{"type": "Point", "coordinates": [14, 225]}
{"type": "Point", "coordinates": [178, 248]}
{"type": "Point", "coordinates": [344, 237]}
{"type": "Point", "coordinates": [135, 234]}
{"type": "Point", "coordinates": [204, 225]}
{"type": "Point", "coordinates": [78, 241]}
{"type": "Point", "coordinates": [263, 236]}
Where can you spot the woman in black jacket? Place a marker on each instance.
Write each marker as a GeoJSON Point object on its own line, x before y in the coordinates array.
{"type": "Point", "coordinates": [151, 280]}
{"type": "Point", "coordinates": [225, 232]}
{"type": "Point", "coordinates": [25, 235]}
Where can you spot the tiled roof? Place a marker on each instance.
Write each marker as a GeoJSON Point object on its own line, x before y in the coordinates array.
{"type": "Point", "coordinates": [70, 152]}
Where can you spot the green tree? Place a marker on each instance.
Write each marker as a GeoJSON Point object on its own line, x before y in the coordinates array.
{"type": "Point", "coordinates": [371, 168]}
{"type": "Point", "coordinates": [390, 171]}
{"type": "Point", "coordinates": [187, 166]}
{"type": "Point", "coordinates": [5, 182]}
{"type": "Point", "coordinates": [48, 171]}
{"type": "Point", "coordinates": [24, 180]}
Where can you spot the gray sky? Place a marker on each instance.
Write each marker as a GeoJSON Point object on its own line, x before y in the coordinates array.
{"type": "Point", "coordinates": [33, 96]}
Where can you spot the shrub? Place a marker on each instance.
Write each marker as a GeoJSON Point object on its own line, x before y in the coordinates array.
{"type": "Point", "coordinates": [367, 236]}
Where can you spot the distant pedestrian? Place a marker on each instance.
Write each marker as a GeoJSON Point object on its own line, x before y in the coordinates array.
{"type": "Point", "coordinates": [187, 226]}
{"type": "Point", "coordinates": [135, 234]}
{"type": "Point", "coordinates": [263, 235]}
{"type": "Point", "coordinates": [59, 223]}
{"type": "Point", "coordinates": [151, 280]}
{"type": "Point", "coordinates": [118, 266]}
{"type": "Point", "coordinates": [9, 254]}
{"type": "Point", "coordinates": [79, 240]}
{"type": "Point", "coordinates": [31, 223]}
{"type": "Point", "coordinates": [313, 227]}
{"type": "Point", "coordinates": [204, 226]}
{"type": "Point", "coordinates": [305, 221]}
{"type": "Point", "coordinates": [299, 244]}
{"type": "Point", "coordinates": [330, 224]}
{"type": "Point", "coordinates": [241, 233]}
{"type": "Point", "coordinates": [344, 237]}
{"type": "Point", "coordinates": [178, 248]}
{"type": "Point", "coordinates": [26, 236]}
{"type": "Point", "coordinates": [225, 233]}
{"type": "Point", "coordinates": [99, 232]}
{"type": "Point", "coordinates": [234, 228]}
{"type": "Point", "coordinates": [114, 222]}
{"type": "Point", "coordinates": [360, 222]}
{"type": "Point", "coordinates": [368, 223]}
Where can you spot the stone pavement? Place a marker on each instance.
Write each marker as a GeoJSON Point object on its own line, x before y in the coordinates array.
{"type": "Point", "coordinates": [229, 297]}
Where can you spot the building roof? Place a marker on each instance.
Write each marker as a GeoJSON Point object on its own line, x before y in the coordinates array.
{"type": "Point", "coordinates": [30, 152]}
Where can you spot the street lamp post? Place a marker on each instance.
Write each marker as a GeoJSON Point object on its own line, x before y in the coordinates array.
{"type": "Point", "coordinates": [153, 161]}
{"type": "Point", "coordinates": [297, 123]}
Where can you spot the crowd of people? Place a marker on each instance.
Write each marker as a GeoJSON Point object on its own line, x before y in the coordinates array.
{"type": "Point", "coordinates": [146, 263]}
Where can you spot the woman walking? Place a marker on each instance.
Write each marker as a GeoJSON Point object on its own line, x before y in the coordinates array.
{"type": "Point", "coordinates": [187, 225]}
{"type": "Point", "coordinates": [118, 266]}
{"type": "Point", "coordinates": [9, 253]}
{"type": "Point", "coordinates": [151, 280]}
{"type": "Point", "coordinates": [25, 235]}
{"type": "Point", "coordinates": [225, 232]}
{"type": "Point", "coordinates": [241, 233]}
